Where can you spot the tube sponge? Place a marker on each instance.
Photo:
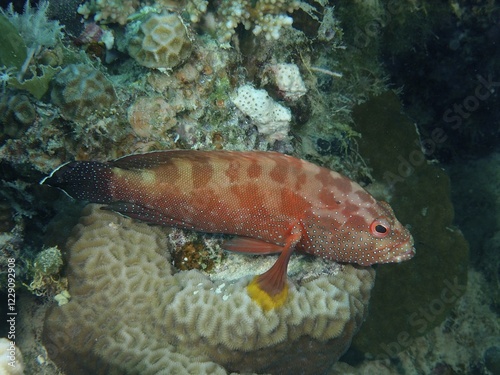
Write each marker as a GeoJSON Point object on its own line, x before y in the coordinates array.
{"type": "Point", "coordinates": [132, 312]}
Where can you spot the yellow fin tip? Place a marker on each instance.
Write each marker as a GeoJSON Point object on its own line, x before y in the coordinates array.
{"type": "Point", "coordinates": [264, 299]}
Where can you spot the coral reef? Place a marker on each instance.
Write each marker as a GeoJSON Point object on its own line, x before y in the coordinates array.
{"type": "Point", "coordinates": [12, 237]}
{"type": "Point", "coordinates": [81, 91]}
{"type": "Point", "coordinates": [132, 312]}
{"type": "Point", "coordinates": [192, 256]}
{"type": "Point", "coordinates": [160, 42]}
{"type": "Point", "coordinates": [34, 27]}
{"type": "Point", "coordinates": [13, 52]}
{"type": "Point", "coordinates": [333, 57]}
{"type": "Point", "coordinates": [464, 343]}
{"type": "Point", "coordinates": [271, 118]}
{"type": "Point", "coordinates": [7, 222]}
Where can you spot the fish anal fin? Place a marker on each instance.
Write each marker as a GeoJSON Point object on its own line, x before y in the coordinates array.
{"type": "Point", "coordinates": [270, 289]}
{"type": "Point", "coordinates": [251, 246]}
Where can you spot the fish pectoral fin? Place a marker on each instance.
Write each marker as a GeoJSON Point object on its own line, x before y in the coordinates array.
{"type": "Point", "coordinates": [251, 246]}
{"type": "Point", "coordinates": [146, 214]}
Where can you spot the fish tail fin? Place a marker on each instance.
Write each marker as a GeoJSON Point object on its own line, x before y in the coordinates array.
{"type": "Point", "coordinates": [83, 180]}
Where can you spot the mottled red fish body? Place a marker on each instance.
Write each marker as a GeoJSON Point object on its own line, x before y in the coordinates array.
{"type": "Point", "coordinates": [272, 202]}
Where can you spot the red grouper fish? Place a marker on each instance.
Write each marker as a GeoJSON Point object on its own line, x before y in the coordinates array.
{"type": "Point", "coordinates": [272, 202]}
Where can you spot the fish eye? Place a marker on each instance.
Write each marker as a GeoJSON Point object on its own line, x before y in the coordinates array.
{"type": "Point", "coordinates": [380, 228]}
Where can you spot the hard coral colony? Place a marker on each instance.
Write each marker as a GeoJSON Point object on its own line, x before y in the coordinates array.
{"type": "Point", "coordinates": [274, 203]}
{"type": "Point", "coordinates": [157, 320]}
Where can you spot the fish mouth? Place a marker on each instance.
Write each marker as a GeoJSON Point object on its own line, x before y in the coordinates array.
{"type": "Point", "coordinates": [408, 254]}
{"type": "Point", "coordinates": [401, 251]}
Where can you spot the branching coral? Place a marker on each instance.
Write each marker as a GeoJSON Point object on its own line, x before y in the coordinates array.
{"type": "Point", "coordinates": [262, 16]}
{"type": "Point", "coordinates": [265, 17]}
{"type": "Point", "coordinates": [109, 10]}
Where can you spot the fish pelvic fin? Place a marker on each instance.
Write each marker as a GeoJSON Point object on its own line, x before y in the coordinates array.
{"type": "Point", "coordinates": [270, 290]}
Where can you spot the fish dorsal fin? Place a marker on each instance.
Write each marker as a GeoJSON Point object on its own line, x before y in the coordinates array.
{"type": "Point", "coordinates": [251, 246]}
{"type": "Point", "coordinates": [145, 161]}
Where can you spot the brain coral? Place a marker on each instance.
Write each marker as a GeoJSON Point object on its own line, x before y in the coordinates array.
{"type": "Point", "coordinates": [132, 312]}
{"type": "Point", "coordinates": [161, 41]}
{"type": "Point", "coordinates": [80, 90]}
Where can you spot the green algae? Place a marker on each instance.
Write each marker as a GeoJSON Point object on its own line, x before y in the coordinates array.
{"type": "Point", "coordinates": [13, 51]}
{"type": "Point", "coordinates": [37, 85]}
{"type": "Point", "coordinates": [410, 298]}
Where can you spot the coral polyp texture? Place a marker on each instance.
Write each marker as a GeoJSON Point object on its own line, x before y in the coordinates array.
{"type": "Point", "coordinates": [79, 91]}
{"type": "Point", "coordinates": [160, 42]}
{"type": "Point", "coordinates": [132, 312]}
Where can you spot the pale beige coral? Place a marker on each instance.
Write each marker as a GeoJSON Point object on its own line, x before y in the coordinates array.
{"type": "Point", "coordinates": [80, 91]}
{"type": "Point", "coordinates": [131, 311]}
{"type": "Point", "coordinates": [160, 42]}
{"type": "Point", "coordinates": [150, 116]}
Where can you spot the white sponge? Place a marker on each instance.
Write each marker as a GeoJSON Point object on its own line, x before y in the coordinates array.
{"type": "Point", "coordinates": [271, 118]}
